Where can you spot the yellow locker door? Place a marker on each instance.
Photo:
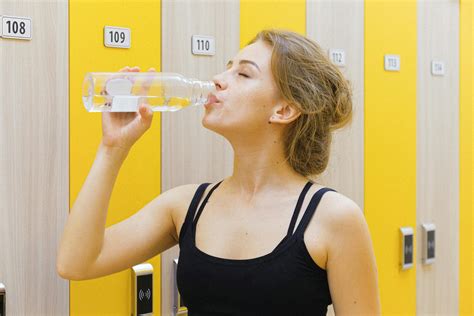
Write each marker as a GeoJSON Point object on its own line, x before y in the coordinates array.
{"type": "Point", "coordinates": [256, 15]}
{"type": "Point", "coordinates": [466, 136]}
{"type": "Point", "coordinates": [139, 179]}
{"type": "Point", "coordinates": [390, 145]}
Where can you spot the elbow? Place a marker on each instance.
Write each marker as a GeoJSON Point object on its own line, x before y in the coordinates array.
{"type": "Point", "coordinates": [70, 276]}
{"type": "Point", "coordinates": [62, 272]}
{"type": "Point", "coordinates": [61, 268]}
{"type": "Point", "coordinates": [69, 269]}
{"type": "Point", "coordinates": [67, 274]}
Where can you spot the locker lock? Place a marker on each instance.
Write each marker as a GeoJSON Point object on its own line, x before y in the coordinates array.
{"type": "Point", "coordinates": [406, 249]}
{"type": "Point", "coordinates": [3, 300]}
{"type": "Point", "coordinates": [142, 289]}
{"type": "Point", "coordinates": [428, 243]}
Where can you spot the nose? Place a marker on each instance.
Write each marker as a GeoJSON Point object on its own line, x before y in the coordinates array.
{"type": "Point", "coordinates": [219, 82]}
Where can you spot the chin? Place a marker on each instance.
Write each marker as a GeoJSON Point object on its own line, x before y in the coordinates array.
{"type": "Point", "coordinates": [215, 123]}
{"type": "Point", "coordinates": [211, 123]}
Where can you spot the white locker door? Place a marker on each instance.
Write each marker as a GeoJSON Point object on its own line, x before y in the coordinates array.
{"type": "Point", "coordinates": [34, 157]}
{"type": "Point", "coordinates": [190, 152]}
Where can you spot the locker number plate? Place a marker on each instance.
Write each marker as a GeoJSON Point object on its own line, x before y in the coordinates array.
{"type": "Point", "coordinates": [16, 27]}
{"type": "Point", "coordinates": [338, 57]}
{"type": "Point", "coordinates": [203, 45]}
{"type": "Point", "coordinates": [437, 68]}
{"type": "Point", "coordinates": [392, 62]}
{"type": "Point", "coordinates": [119, 37]}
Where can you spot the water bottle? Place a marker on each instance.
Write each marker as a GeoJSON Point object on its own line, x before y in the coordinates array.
{"type": "Point", "coordinates": [124, 91]}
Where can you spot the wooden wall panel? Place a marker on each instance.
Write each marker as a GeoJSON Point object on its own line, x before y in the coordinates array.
{"type": "Point", "coordinates": [190, 152]}
{"type": "Point", "coordinates": [340, 25]}
{"type": "Point", "coordinates": [34, 158]}
{"type": "Point", "coordinates": [438, 156]}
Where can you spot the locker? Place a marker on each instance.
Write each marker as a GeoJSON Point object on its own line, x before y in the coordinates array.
{"type": "Point", "coordinates": [438, 155]}
{"type": "Point", "coordinates": [34, 156]}
{"type": "Point", "coordinates": [138, 181]}
{"type": "Point", "coordinates": [390, 145]}
{"type": "Point", "coordinates": [192, 153]}
{"type": "Point", "coordinates": [466, 162]}
{"type": "Point", "coordinates": [339, 26]}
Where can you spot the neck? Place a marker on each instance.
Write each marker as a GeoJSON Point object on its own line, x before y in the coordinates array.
{"type": "Point", "coordinates": [260, 168]}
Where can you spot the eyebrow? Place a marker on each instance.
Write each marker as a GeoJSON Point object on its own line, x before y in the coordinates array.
{"type": "Point", "coordinates": [244, 61]}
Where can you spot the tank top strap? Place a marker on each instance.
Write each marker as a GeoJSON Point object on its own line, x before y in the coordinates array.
{"type": "Point", "coordinates": [192, 208]}
{"type": "Point", "coordinates": [298, 207]}
{"type": "Point", "coordinates": [310, 210]}
{"type": "Point", "coordinates": [204, 203]}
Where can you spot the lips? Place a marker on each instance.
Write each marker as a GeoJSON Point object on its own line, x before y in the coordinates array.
{"type": "Point", "coordinates": [212, 99]}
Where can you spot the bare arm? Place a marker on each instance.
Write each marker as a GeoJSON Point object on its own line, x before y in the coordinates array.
{"type": "Point", "coordinates": [83, 235]}
{"type": "Point", "coordinates": [84, 232]}
{"type": "Point", "coordinates": [351, 265]}
{"type": "Point", "coordinates": [88, 250]}
{"type": "Point", "coordinates": [85, 241]}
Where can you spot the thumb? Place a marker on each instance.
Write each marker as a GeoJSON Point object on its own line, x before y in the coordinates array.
{"type": "Point", "coordinates": [146, 113]}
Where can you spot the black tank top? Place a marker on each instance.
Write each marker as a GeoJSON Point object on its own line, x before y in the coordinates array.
{"type": "Point", "coordinates": [284, 282]}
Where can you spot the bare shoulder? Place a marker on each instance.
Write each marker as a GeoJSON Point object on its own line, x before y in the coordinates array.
{"type": "Point", "coordinates": [181, 194]}
{"type": "Point", "coordinates": [336, 208]}
{"type": "Point", "coordinates": [331, 216]}
{"type": "Point", "coordinates": [347, 236]}
{"type": "Point", "coordinates": [181, 197]}
{"type": "Point", "coordinates": [341, 219]}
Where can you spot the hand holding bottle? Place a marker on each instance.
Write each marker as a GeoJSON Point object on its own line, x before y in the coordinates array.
{"type": "Point", "coordinates": [122, 129]}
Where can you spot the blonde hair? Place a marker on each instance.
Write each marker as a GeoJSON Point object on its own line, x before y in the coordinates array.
{"type": "Point", "coordinates": [307, 79]}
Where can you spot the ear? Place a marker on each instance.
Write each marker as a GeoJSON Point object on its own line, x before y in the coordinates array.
{"type": "Point", "coordinates": [285, 113]}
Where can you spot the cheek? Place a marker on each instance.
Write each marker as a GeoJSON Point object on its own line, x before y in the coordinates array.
{"type": "Point", "coordinates": [256, 100]}
{"type": "Point", "coordinates": [233, 117]}
{"type": "Point", "coordinates": [254, 113]}
{"type": "Point", "coordinates": [245, 108]}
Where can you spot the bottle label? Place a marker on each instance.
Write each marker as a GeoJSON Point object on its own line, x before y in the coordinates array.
{"type": "Point", "coordinates": [119, 86]}
{"type": "Point", "coordinates": [125, 103]}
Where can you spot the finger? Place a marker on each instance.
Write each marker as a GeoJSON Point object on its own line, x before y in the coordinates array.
{"type": "Point", "coordinates": [133, 69]}
{"type": "Point", "coordinates": [124, 69]}
{"type": "Point", "coordinates": [130, 69]}
{"type": "Point", "coordinates": [145, 112]}
{"type": "Point", "coordinates": [147, 84]}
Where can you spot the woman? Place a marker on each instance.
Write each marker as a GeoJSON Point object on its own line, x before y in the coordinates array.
{"type": "Point", "coordinates": [257, 249]}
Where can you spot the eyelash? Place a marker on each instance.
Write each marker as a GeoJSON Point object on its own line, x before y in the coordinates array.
{"type": "Point", "coordinates": [242, 74]}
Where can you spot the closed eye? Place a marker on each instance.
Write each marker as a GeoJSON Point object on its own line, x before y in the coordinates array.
{"type": "Point", "coordinates": [244, 75]}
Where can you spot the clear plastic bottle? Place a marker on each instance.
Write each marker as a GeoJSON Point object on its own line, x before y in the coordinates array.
{"type": "Point", "coordinates": [124, 91]}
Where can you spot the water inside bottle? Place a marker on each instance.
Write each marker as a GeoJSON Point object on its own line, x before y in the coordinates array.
{"type": "Point", "coordinates": [101, 103]}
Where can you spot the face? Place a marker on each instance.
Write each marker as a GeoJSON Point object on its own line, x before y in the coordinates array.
{"type": "Point", "coordinates": [247, 96]}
